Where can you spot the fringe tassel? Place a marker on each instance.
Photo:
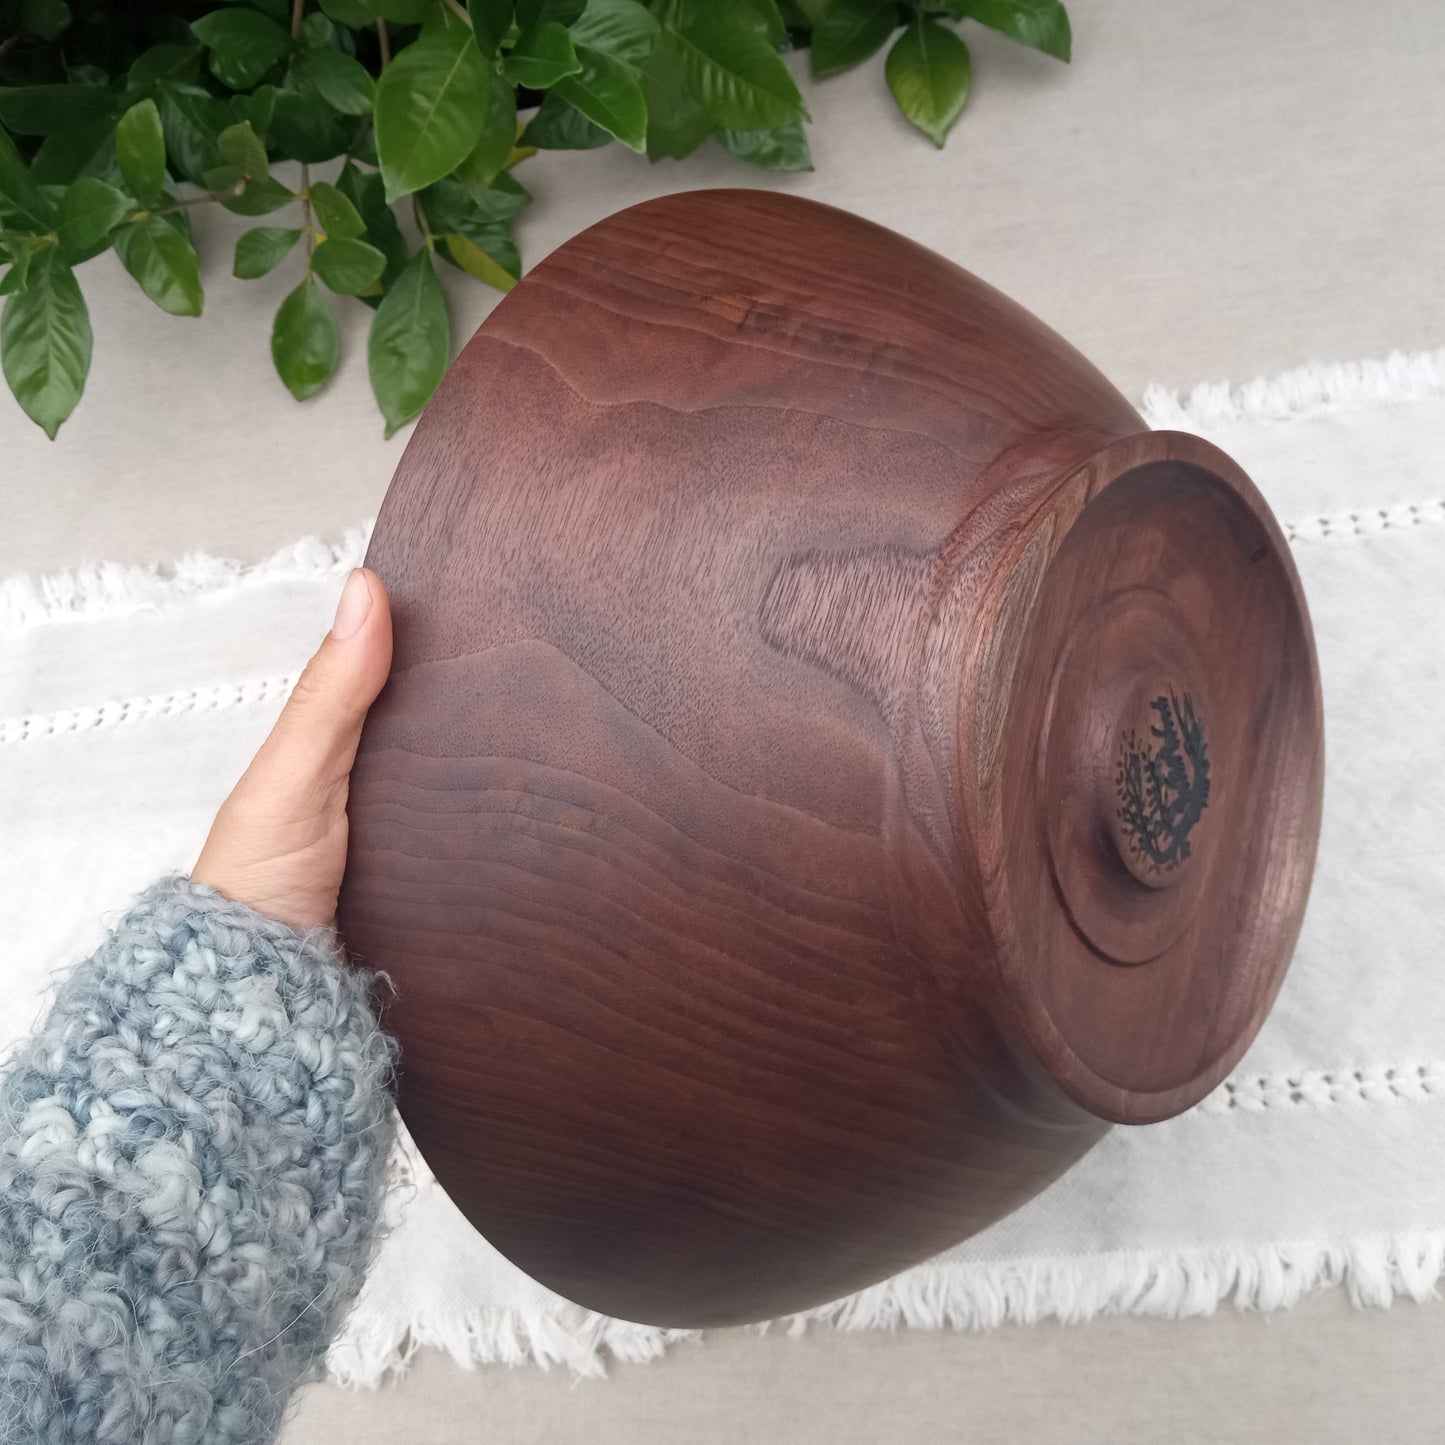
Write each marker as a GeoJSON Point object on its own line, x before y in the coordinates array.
{"type": "Point", "coordinates": [1169, 1284]}
{"type": "Point", "coordinates": [370, 1352]}
{"type": "Point", "coordinates": [108, 589]}
{"type": "Point", "coordinates": [1305, 391]}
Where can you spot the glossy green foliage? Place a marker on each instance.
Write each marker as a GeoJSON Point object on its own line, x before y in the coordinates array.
{"type": "Point", "coordinates": [116, 121]}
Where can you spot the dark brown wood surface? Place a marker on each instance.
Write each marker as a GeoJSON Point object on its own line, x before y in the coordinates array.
{"type": "Point", "coordinates": [836, 760]}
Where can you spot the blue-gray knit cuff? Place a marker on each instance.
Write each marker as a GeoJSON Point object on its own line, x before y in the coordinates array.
{"type": "Point", "coordinates": [191, 1152]}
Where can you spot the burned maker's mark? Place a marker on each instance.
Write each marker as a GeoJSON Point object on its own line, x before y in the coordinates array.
{"type": "Point", "coordinates": [1162, 783]}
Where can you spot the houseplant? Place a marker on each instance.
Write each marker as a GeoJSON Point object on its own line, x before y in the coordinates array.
{"type": "Point", "coordinates": [115, 122]}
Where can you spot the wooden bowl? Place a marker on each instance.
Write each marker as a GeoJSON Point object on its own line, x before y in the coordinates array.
{"type": "Point", "coordinates": [837, 760]}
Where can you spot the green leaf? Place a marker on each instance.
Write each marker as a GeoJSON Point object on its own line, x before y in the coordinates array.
{"type": "Point", "coordinates": [491, 20]}
{"type": "Point", "coordinates": [558, 126]}
{"type": "Point", "coordinates": [178, 220]}
{"type": "Point", "coordinates": [243, 43]}
{"type": "Point", "coordinates": [499, 133]}
{"type": "Point", "coordinates": [46, 109]}
{"type": "Point", "coordinates": [19, 269]}
{"type": "Point", "coordinates": [430, 105]}
{"type": "Point", "coordinates": [365, 191]}
{"type": "Point", "coordinates": [496, 241]}
{"type": "Point", "coordinates": [259, 108]}
{"type": "Point", "coordinates": [191, 119]}
{"type": "Point", "coordinates": [69, 154]}
{"type": "Point", "coordinates": [928, 72]}
{"type": "Point", "coordinates": [410, 340]}
{"type": "Point", "coordinates": [1044, 24]}
{"type": "Point", "coordinates": [348, 266]}
{"type": "Point", "coordinates": [305, 128]}
{"type": "Point", "coordinates": [260, 198]}
{"type": "Point", "coordinates": [453, 214]}
{"type": "Point", "coordinates": [533, 12]}
{"type": "Point", "coordinates": [769, 19]}
{"type": "Point", "coordinates": [785, 148]}
{"type": "Point", "coordinates": [442, 17]}
{"type": "Point", "coordinates": [223, 178]}
{"type": "Point", "coordinates": [623, 29]}
{"type": "Point", "coordinates": [676, 123]}
{"type": "Point", "coordinates": [304, 341]}
{"type": "Point", "coordinates": [140, 151]}
{"type": "Point", "coordinates": [614, 39]}
{"type": "Point", "coordinates": [46, 18]}
{"type": "Point", "coordinates": [349, 12]}
{"type": "Point", "coordinates": [610, 95]}
{"type": "Point", "coordinates": [45, 341]}
{"type": "Point", "coordinates": [241, 147]}
{"type": "Point", "coordinates": [23, 206]}
{"type": "Point", "coordinates": [449, 206]}
{"type": "Point", "coordinates": [502, 199]}
{"type": "Point", "coordinates": [165, 62]}
{"type": "Point", "coordinates": [88, 210]}
{"type": "Point", "coordinates": [470, 257]}
{"type": "Point", "coordinates": [342, 81]}
{"type": "Point", "coordinates": [850, 31]}
{"type": "Point", "coordinates": [737, 76]}
{"type": "Point", "coordinates": [317, 32]}
{"type": "Point", "coordinates": [334, 212]}
{"type": "Point", "coordinates": [164, 263]}
{"type": "Point", "coordinates": [363, 147]}
{"type": "Point", "coordinates": [261, 249]}
{"type": "Point", "coordinates": [541, 57]}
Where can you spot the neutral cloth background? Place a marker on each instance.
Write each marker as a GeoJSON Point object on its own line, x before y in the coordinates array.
{"type": "Point", "coordinates": [1216, 189]}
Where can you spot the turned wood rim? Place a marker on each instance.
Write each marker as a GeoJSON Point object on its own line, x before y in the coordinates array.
{"type": "Point", "coordinates": [1219, 926]}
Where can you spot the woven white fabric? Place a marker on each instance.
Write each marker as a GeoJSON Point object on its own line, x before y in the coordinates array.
{"type": "Point", "coordinates": [131, 698]}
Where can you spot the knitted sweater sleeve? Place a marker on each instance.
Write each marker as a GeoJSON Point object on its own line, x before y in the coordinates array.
{"type": "Point", "coordinates": [191, 1149]}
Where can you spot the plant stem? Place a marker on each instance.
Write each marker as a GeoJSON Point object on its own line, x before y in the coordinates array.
{"type": "Point", "coordinates": [460, 10]}
{"type": "Point", "coordinates": [384, 40]}
{"type": "Point", "coordinates": [204, 198]}
{"type": "Point", "coordinates": [200, 200]}
{"type": "Point", "coordinates": [307, 221]}
{"type": "Point", "coordinates": [297, 9]}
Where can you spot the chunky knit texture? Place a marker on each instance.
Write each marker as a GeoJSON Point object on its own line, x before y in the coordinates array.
{"type": "Point", "coordinates": [191, 1152]}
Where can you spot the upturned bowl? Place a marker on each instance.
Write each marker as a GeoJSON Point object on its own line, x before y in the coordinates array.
{"type": "Point", "coordinates": [837, 762]}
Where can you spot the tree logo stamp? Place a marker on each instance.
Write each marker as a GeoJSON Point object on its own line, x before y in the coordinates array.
{"type": "Point", "coordinates": [1162, 784]}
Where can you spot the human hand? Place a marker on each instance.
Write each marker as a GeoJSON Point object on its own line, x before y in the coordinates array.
{"type": "Point", "coordinates": [279, 840]}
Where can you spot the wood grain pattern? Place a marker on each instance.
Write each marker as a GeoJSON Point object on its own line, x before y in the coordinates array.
{"type": "Point", "coordinates": [766, 825]}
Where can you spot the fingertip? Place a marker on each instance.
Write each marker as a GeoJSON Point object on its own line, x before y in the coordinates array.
{"type": "Point", "coordinates": [354, 660]}
{"type": "Point", "coordinates": [376, 587]}
{"type": "Point", "coordinates": [376, 630]}
{"type": "Point", "coordinates": [354, 605]}
{"type": "Point", "coordinates": [379, 615]}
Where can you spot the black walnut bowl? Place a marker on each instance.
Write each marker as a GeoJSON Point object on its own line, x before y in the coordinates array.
{"type": "Point", "coordinates": [837, 762]}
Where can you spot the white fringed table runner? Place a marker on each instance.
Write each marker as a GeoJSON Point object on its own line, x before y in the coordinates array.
{"type": "Point", "coordinates": [131, 699]}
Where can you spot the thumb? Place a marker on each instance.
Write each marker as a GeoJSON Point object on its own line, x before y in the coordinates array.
{"type": "Point", "coordinates": [279, 840]}
{"type": "Point", "coordinates": [313, 744]}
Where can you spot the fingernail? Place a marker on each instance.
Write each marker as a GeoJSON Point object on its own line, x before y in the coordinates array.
{"type": "Point", "coordinates": [354, 605]}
